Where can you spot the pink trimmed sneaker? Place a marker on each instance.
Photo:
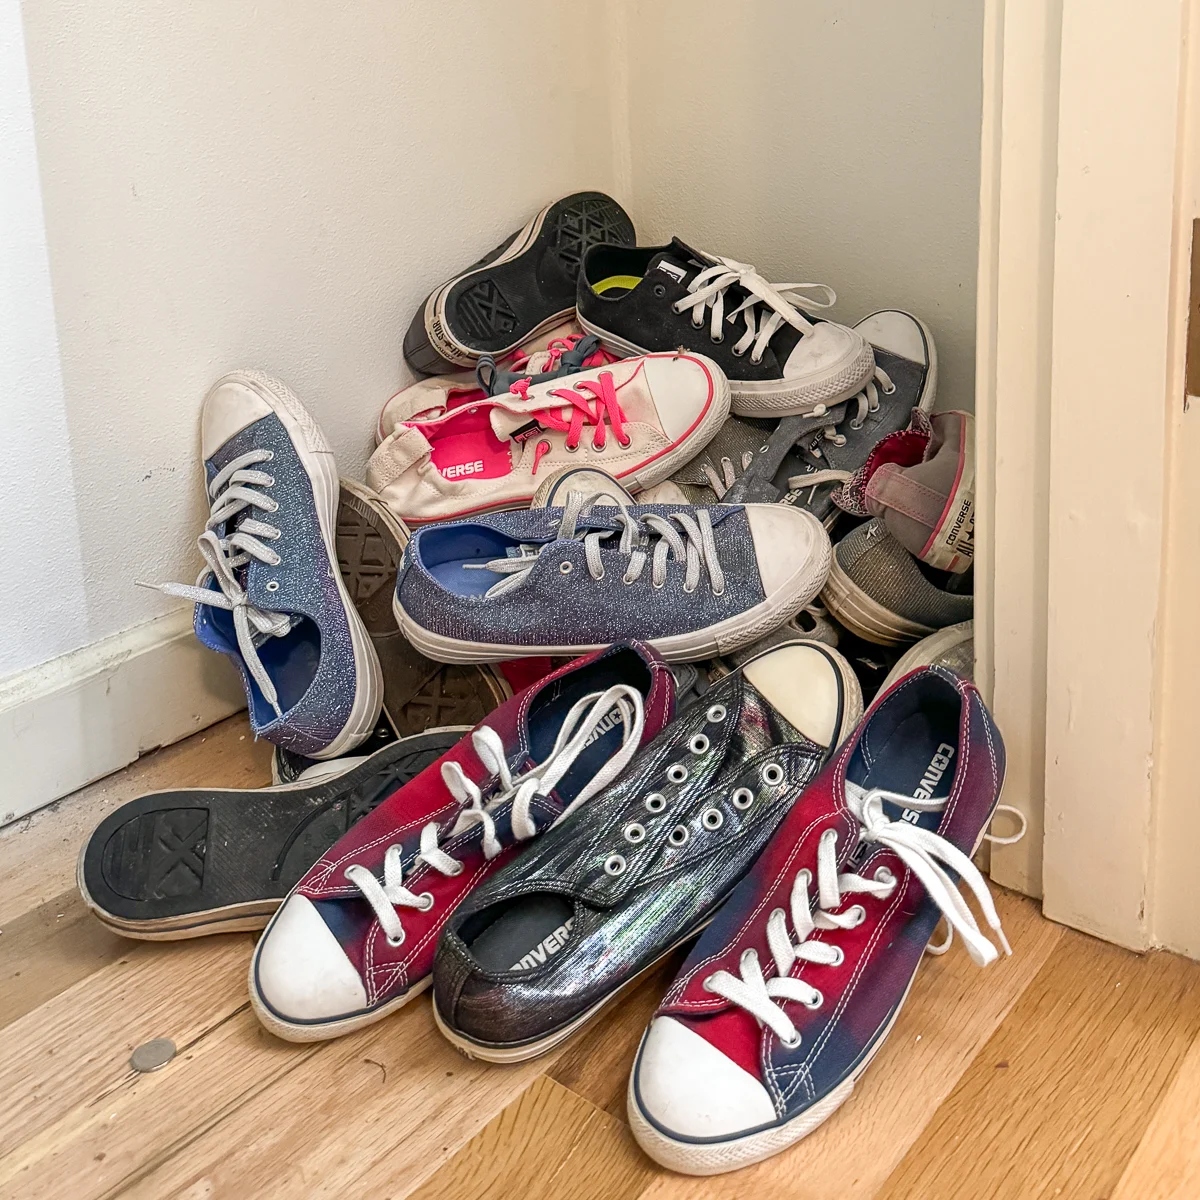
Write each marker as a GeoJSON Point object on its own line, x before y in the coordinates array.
{"type": "Point", "coordinates": [637, 419]}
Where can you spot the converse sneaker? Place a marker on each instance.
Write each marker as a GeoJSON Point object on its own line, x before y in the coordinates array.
{"type": "Point", "coordinates": [355, 939]}
{"type": "Point", "coordinates": [793, 988]}
{"type": "Point", "coordinates": [779, 360]}
{"type": "Point", "coordinates": [567, 351]}
{"type": "Point", "coordinates": [881, 593]}
{"type": "Point", "coordinates": [526, 284]}
{"type": "Point", "coordinates": [179, 864]}
{"type": "Point", "coordinates": [549, 941]}
{"type": "Point", "coordinates": [272, 597]}
{"type": "Point", "coordinates": [952, 648]}
{"type": "Point", "coordinates": [637, 419]}
{"type": "Point", "coordinates": [694, 582]}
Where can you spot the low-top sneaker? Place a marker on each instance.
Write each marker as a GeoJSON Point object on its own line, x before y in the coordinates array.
{"type": "Point", "coordinates": [792, 989]}
{"type": "Point", "coordinates": [526, 284]}
{"type": "Point", "coordinates": [694, 582]}
{"type": "Point", "coordinates": [555, 936]}
{"type": "Point", "coordinates": [883, 594]}
{"type": "Point", "coordinates": [182, 863]}
{"type": "Point", "coordinates": [637, 419]}
{"type": "Point", "coordinates": [805, 460]}
{"type": "Point", "coordinates": [566, 351]}
{"type": "Point", "coordinates": [271, 597]}
{"type": "Point", "coordinates": [355, 939]}
{"type": "Point", "coordinates": [952, 648]}
{"type": "Point", "coordinates": [779, 359]}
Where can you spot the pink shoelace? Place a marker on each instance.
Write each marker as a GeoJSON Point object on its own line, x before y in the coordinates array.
{"type": "Point", "coordinates": [603, 410]}
{"type": "Point", "coordinates": [557, 347]}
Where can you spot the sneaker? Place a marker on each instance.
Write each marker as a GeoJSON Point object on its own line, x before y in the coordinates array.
{"type": "Point", "coordinates": [526, 284]}
{"type": "Point", "coordinates": [952, 648]}
{"type": "Point", "coordinates": [272, 598]}
{"type": "Point", "coordinates": [555, 490]}
{"type": "Point", "coordinates": [881, 593]}
{"type": "Point", "coordinates": [549, 941]}
{"type": "Point", "coordinates": [179, 864]}
{"type": "Point", "coordinates": [779, 360]}
{"type": "Point", "coordinates": [804, 460]}
{"type": "Point", "coordinates": [791, 991]}
{"type": "Point", "coordinates": [355, 939]}
{"type": "Point", "coordinates": [693, 582]}
{"type": "Point", "coordinates": [929, 507]}
{"type": "Point", "coordinates": [565, 351]}
{"type": "Point", "coordinates": [637, 420]}
{"type": "Point", "coordinates": [287, 767]}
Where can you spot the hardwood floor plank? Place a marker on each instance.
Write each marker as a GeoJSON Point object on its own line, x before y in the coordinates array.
{"type": "Point", "coordinates": [953, 1009]}
{"type": "Point", "coordinates": [39, 852]}
{"type": "Point", "coordinates": [374, 1113]}
{"type": "Point", "coordinates": [1166, 1163]}
{"type": "Point", "coordinates": [1057, 1101]}
{"type": "Point", "coordinates": [596, 1064]}
{"type": "Point", "coordinates": [548, 1144]}
{"type": "Point", "coordinates": [73, 1049]}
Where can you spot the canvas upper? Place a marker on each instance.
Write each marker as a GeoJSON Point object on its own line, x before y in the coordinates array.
{"type": "Point", "coordinates": [636, 419]}
{"type": "Point", "coordinates": [793, 987]}
{"type": "Point", "coordinates": [357, 935]}
{"type": "Point", "coordinates": [599, 899]}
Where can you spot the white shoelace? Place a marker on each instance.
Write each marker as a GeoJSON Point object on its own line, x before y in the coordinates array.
{"type": "Point", "coordinates": [684, 537]}
{"type": "Point", "coordinates": [765, 309]}
{"type": "Point", "coordinates": [232, 491]}
{"type": "Point", "coordinates": [580, 724]}
{"type": "Point", "coordinates": [920, 850]}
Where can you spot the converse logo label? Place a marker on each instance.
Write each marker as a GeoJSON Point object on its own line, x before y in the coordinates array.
{"type": "Point", "coordinates": [467, 468]}
{"type": "Point", "coordinates": [545, 948]}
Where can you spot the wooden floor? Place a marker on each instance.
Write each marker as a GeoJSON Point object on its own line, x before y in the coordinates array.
{"type": "Point", "coordinates": [1071, 1069]}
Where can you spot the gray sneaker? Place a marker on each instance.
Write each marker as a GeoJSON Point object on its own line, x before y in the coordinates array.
{"type": "Point", "coordinates": [880, 592]}
{"type": "Point", "coordinates": [952, 647]}
{"type": "Point", "coordinates": [803, 460]}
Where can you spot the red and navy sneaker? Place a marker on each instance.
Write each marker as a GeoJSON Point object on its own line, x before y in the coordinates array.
{"type": "Point", "coordinates": [792, 990]}
{"type": "Point", "coordinates": [355, 939]}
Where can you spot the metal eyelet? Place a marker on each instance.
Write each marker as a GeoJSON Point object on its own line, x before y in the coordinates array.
{"type": "Point", "coordinates": [772, 774]}
{"type": "Point", "coordinates": [699, 744]}
{"type": "Point", "coordinates": [841, 957]}
{"type": "Point", "coordinates": [884, 875]}
{"type": "Point", "coordinates": [659, 290]}
{"type": "Point", "coordinates": [571, 449]}
{"type": "Point", "coordinates": [427, 901]}
{"type": "Point", "coordinates": [860, 915]}
{"type": "Point", "coordinates": [792, 1043]}
{"type": "Point", "coordinates": [565, 567]}
{"type": "Point", "coordinates": [273, 585]}
{"type": "Point", "coordinates": [736, 352]}
{"type": "Point", "coordinates": [712, 818]}
{"type": "Point", "coordinates": [815, 1003]}
{"type": "Point", "coordinates": [677, 773]}
{"type": "Point", "coordinates": [655, 802]}
{"type": "Point", "coordinates": [394, 942]}
{"type": "Point", "coordinates": [716, 341]}
{"type": "Point", "coordinates": [742, 798]}
{"type": "Point", "coordinates": [614, 865]}
{"type": "Point", "coordinates": [716, 714]}
{"type": "Point", "coordinates": [679, 835]}
{"type": "Point", "coordinates": [635, 833]}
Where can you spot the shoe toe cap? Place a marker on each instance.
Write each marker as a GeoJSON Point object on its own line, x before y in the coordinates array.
{"type": "Point", "coordinates": [687, 1087]}
{"type": "Point", "coordinates": [302, 972]}
{"type": "Point", "coordinates": [682, 387]}
{"type": "Point", "coordinates": [785, 540]}
{"type": "Point", "coordinates": [828, 346]}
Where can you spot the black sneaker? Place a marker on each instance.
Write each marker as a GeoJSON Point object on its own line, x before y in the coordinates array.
{"type": "Point", "coordinates": [803, 460]}
{"type": "Point", "coordinates": [525, 285]}
{"type": "Point", "coordinates": [779, 359]}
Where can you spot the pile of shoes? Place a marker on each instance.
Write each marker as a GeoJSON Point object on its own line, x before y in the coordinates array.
{"type": "Point", "coordinates": [579, 673]}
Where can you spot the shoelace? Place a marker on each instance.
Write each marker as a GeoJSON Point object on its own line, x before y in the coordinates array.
{"type": "Point", "coordinates": [602, 412]}
{"type": "Point", "coordinates": [784, 300]}
{"type": "Point", "coordinates": [685, 538]}
{"type": "Point", "coordinates": [232, 491]}
{"type": "Point", "coordinates": [818, 422]}
{"type": "Point", "coordinates": [578, 727]}
{"type": "Point", "coordinates": [923, 852]}
{"type": "Point", "coordinates": [591, 354]}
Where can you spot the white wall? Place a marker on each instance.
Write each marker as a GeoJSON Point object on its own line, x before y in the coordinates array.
{"type": "Point", "coordinates": [822, 141]}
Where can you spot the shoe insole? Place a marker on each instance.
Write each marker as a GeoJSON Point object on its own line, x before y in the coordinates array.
{"type": "Point", "coordinates": [525, 934]}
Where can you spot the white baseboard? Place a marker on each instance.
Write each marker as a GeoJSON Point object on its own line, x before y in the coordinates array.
{"type": "Point", "coordinates": [89, 713]}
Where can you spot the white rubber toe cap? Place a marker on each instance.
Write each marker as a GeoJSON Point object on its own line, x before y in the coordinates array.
{"type": "Point", "coordinates": [827, 346]}
{"type": "Point", "coordinates": [690, 1089]}
{"type": "Point", "coordinates": [785, 539]}
{"type": "Point", "coordinates": [303, 972]}
{"type": "Point", "coordinates": [681, 387]}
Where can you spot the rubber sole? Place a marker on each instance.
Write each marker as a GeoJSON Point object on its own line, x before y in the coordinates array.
{"type": "Point", "coordinates": [867, 618]}
{"type": "Point", "coordinates": [710, 642]}
{"type": "Point", "coordinates": [527, 284]}
{"type": "Point", "coordinates": [183, 864]}
{"type": "Point", "coordinates": [417, 692]}
{"type": "Point", "coordinates": [774, 398]}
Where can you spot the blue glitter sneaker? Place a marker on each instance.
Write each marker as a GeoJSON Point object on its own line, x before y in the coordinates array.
{"type": "Point", "coordinates": [272, 597]}
{"type": "Point", "coordinates": [693, 582]}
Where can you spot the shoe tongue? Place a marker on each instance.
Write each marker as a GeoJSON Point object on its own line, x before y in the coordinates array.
{"type": "Point", "coordinates": [679, 261]}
